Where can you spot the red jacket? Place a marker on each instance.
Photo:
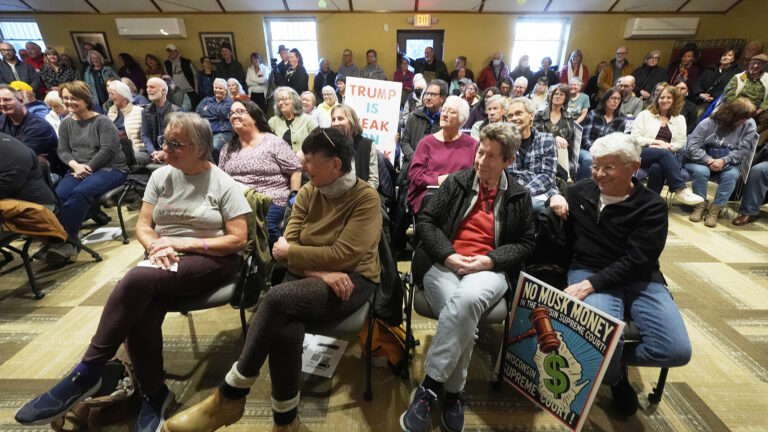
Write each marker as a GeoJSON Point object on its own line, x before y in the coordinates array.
{"type": "Point", "coordinates": [488, 78]}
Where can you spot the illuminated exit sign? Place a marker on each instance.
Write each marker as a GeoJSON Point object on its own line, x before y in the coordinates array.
{"type": "Point", "coordinates": [422, 20]}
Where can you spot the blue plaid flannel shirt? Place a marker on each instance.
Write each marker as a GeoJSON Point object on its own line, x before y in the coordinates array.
{"type": "Point", "coordinates": [535, 167]}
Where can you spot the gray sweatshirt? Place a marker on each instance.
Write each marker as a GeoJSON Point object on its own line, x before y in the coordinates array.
{"type": "Point", "coordinates": [94, 142]}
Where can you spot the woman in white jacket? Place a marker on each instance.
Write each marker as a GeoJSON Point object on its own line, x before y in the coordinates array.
{"type": "Point", "coordinates": [257, 78]}
{"type": "Point", "coordinates": [661, 131]}
{"type": "Point", "coordinates": [127, 117]}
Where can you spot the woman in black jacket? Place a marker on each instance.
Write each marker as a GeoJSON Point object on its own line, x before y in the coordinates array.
{"type": "Point", "coordinates": [296, 76]}
{"type": "Point", "coordinates": [325, 76]}
{"type": "Point", "coordinates": [476, 231]}
{"type": "Point", "coordinates": [712, 81]}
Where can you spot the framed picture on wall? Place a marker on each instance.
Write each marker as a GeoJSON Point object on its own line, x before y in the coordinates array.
{"type": "Point", "coordinates": [87, 41]}
{"type": "Point", "coordinates": [211, 43]}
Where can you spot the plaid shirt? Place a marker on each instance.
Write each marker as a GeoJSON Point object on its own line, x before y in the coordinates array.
{"type": "Point", "coordinates": [535, 166]}
{"type": "Point", "coordinates": [596, 127]}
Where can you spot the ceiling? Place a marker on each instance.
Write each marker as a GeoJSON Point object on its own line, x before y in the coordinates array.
{"type": "Point", "coordinates": [479, 6]}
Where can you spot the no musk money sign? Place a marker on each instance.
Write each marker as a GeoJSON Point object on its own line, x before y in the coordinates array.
{"type": "Point", "coordinates": [377, 105]}
{"type": "Point", "coordinates": [558, 350]}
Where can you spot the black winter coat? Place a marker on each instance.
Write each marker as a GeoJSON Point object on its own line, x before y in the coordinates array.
{"type": "Point", "coordinates": [441, 215]}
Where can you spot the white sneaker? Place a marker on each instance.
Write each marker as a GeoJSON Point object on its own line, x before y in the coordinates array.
{"type": "Point", "coordinates": [685, 196]}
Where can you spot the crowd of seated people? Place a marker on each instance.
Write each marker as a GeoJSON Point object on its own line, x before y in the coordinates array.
{"type": "Point", "coordinates": [497, 140]}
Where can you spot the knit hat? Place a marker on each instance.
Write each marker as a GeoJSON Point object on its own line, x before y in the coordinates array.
{"type": "Point", "coordinates": [419, 81]}
{"type": "Point", "coordinates": [22, 86]}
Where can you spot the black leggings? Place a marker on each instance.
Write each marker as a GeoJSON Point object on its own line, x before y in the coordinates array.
{"type": "Point", "coordinates": [277, 327]}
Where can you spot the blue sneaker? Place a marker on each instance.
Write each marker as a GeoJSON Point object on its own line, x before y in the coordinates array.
{"type": "Point", "coordinates": [57, 401]}
{"type": "Point", "coordinates": [418, 418]}
{"type": "Point", "coordinates": [152, 413]}
{"type": "Point", "coordinates": [453, 413]}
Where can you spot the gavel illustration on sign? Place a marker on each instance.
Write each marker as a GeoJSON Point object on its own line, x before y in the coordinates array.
{"type": "Point", "coordinates": [542, 329]}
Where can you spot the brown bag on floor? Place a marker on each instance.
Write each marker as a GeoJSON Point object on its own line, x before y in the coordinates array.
{"type": "Point", "coordinates": [113, 407]}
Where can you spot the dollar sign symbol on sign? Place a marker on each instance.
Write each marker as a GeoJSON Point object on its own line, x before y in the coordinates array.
{"type": "Point", "coordinates": [559, 382]}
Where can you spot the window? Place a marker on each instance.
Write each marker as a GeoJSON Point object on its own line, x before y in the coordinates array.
{"type": "Point", "coordinates": [539, 38]}
{"type": "Point", "coordinates": [299, 33]}
{"type": "Point", "coordinates": [18, 33]}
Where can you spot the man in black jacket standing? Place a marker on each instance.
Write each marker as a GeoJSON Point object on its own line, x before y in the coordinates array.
{"type": "Point", "coordinates": [476, 232]}
{"type": "Point", "coordinates": [616, 229]}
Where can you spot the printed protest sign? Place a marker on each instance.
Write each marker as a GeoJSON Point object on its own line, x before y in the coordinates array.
{"type": "Point", "coordinates": [377, 105]}
{"type": "Point", "coordinates": [558, 350]}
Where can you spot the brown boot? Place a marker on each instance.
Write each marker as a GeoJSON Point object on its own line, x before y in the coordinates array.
{"type": "Point", "coordinates": [207, 416]}
{"type": "Point", "coordinates": [698, 211]}
{"type": "Point", "coordinates": [712, 214]}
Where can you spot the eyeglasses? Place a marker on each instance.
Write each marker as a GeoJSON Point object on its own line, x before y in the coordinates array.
{"type": "Point", "coordinates": [653, 58]}
{"type": "Point", "coordinates": [431, 94]}
{"type": "Point", "coordinates": [7, 50]}
{"type": "Point", "coordinates": [283, 99]}
{"type": "Point", "coordinates": [615, 98]}
{"type": "Point", "coordinates": [176, 146]}
{"type": "Point", "coordinates": [606, 169]}
{"type": "Point", "coordinates": [238, 112]}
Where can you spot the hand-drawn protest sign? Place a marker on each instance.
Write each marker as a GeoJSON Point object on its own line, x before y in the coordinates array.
{"type": "Point", "coordinates": [377, 105]}
{"type": "Point", "coordinates": [558, 350]}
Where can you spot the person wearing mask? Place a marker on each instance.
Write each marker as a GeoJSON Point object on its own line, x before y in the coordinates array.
{"type": "Point", "coordinates": [132, 70]}
{"type": "Point", "coordinates": [205, 77]}
{"type": "Point", "coordinates": [648, 75]}
{"type": "Point", "coordinates": [325, 76]}
{"type": "Point", "coordinates": [615, 69]}
{"type": "Point", "coordinates": [547, 72]}
{"type": "Point", "coordinates": [373, 70]}
{"type": "Point", "coordinates": [575, 68]}
{"type": "Point", "coordinates": [153, 121]}
{"type": "Point", "coordinates": [461, 61]}
{"type": "Point", "coordinates": [229, 67]}
{"type": "Point", "coordinates": [347, 67]}
{"type": "Point", "coordinates": [492, 74]}
{"type": "Point", "coordinates": [12, 69]}
{"type": "Point", "coordinates": [413, 100]}
{"type": "Point", "coordinates": [215, 109]}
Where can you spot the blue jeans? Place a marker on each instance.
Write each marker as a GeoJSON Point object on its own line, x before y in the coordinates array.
{"type": "Point", "coordinates": [726, 179]}
{"type": "Point", "coordinates": [274, 217]}
{"type": "Point", "coordinates": [76, 196]}
{"type": "Point", "coordinates": [219, 140]}
{"type": "Point", "coordinates": [663, 339]}
{"type": "Point", "coordinates": [459, 302]}
{"type": "Point", "coordinates": [755, 190]}
{"type": "Point", "coordinates": [585, 165]}
{"type": "Point", "coordinates": [670, 167]}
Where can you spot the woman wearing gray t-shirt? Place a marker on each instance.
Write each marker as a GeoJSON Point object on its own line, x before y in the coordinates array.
{"type": "Point", "coordinates": [192, 226]}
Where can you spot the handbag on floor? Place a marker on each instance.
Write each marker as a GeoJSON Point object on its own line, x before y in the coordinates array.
{"type": "Point", "coordinates": [387, 346]}
{"type": "Point", "coordinates": [114, 405]}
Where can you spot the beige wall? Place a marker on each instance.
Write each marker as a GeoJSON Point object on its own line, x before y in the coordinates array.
{"type": "Point", "coordinates": [470, 34]}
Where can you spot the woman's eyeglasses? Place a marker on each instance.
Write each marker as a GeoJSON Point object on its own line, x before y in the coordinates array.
{"type": "Point", "coordinates": [238, 112]}
{"type": "Point", "coordinates": [175, 145]}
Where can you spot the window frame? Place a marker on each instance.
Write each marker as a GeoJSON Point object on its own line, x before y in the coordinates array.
{"type": "Point", "coordinates": [310, 68]}
{"type": "Point", "coordinates": [565, 31]}
{"type": "Point", "coordinates": [14, 42]}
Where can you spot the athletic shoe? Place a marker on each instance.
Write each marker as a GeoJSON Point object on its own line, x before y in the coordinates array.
{"type": "Point", "coordinates": [152, 413]}
{"type": "Point", "coordinates": [453, 413]}
{"type": "Point", "coordinates": [418, 418]}
{"type": "Point", "coordinates": [57, 401]}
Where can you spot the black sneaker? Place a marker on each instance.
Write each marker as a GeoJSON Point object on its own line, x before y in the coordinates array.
{"type": "Point", "coordinates": [152, 413]}
{"type": "Point", "coordinates": [57, 401]}
{"type": "Point", "coordinates": [100, 218]}
{"type": "Point", "coordinates": [453, 413]}
{"type": "Point", "coordinates": [624, 397]}
{"type": "Point", "coordinates": [418, 418]}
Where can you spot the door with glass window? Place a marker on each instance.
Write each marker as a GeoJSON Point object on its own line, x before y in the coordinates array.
{"type": "Point", "coordinates": [413, 42]}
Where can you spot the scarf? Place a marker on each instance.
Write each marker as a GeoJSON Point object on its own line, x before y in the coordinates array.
{"type": "Point", "coordinates": [339, 186]}
{"type": "Point", "coordinates": [578, 73]}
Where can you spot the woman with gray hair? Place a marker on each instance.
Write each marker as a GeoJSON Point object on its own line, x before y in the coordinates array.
{"type": "Point", "coordinates": [95, 75]}
{"type": "Point", "coordinates": [495, 108]}
{"type": "Point", "coordinates": [477, 231]}
{"type": "Point", "coordinates": [185, 256]}
{"type": "Point", "coordinates": [235, 89]}
{"type": "Point", "coordinates": [578, 103]}
{"type": "Point", "coordinates": [649, 74]}
{"type": "Point", "coordinates": [440, 154]}
{"type": "Point", "coordinates": [290, 122]}
{"type": "Point", "coordinates": [125, 115]}
{"type": "Point", "coordinates": [215, 109]}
